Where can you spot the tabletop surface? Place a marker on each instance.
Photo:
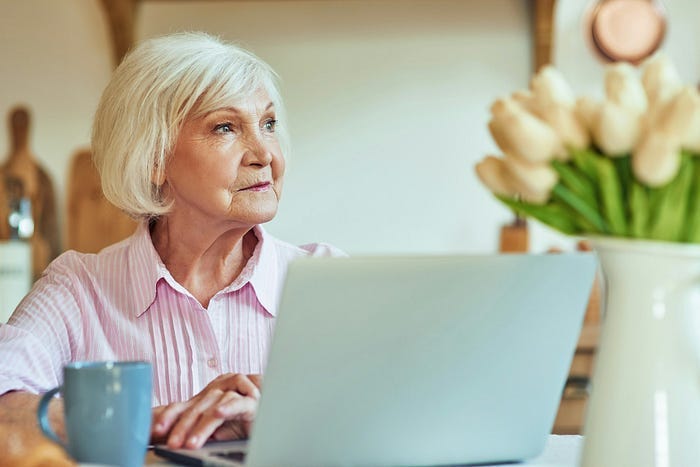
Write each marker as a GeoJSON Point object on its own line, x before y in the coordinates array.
{"type": "Point", "coordinates": [560, 451]}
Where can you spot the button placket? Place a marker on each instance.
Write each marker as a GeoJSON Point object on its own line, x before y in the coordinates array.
{"type": "Point", "coordinates": [213, 361]}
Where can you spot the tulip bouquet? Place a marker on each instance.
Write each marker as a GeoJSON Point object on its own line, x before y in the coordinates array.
{"type": "Point", "coordinates": [625, 166]}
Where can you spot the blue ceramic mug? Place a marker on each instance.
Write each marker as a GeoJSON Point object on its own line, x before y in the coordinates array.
{"type": "Point", "coordinates": [107, 408]}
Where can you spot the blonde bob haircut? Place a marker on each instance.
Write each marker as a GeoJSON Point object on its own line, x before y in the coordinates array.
{"type": "Point", "coordinates": [158, 85]}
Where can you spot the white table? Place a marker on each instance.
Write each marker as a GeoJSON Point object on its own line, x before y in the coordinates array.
{"type": "Point", "coordinates": [560, 451]}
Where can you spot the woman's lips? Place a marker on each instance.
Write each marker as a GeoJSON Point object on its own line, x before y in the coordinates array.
{"type": "Point", "coordinates": [264, 186]}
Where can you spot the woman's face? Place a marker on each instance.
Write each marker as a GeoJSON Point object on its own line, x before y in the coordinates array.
{"type": "Point", "coordinates": [227, 165]}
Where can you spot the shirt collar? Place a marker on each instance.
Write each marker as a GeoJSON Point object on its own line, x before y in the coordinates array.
{"type": "Point", "coordinates": [262, 271]}
{"type": "Point", "coordinates": [144, 266]}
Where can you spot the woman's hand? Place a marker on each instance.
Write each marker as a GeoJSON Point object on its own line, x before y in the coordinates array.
{"type": "Point", "coordinates": [224, 409]}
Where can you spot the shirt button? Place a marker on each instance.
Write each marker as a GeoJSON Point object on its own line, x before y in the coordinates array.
{"type": "Point", "coordinates": [212, 363]}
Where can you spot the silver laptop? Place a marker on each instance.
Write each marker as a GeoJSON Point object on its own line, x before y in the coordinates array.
{"type": "Point", "coordinates": [414, 361]}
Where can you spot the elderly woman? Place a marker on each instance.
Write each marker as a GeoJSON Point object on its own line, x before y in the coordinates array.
{"type": "Point", "coordinates": [188, 137]}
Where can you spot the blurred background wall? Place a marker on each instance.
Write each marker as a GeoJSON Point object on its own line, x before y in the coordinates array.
{"type": "Point", "coordinates": [388, 101]}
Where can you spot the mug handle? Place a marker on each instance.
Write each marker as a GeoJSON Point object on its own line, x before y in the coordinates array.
{"type": "Point", "coordinates": [42, 415]}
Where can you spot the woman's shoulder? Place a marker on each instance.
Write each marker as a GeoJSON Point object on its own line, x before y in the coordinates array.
{"type": "Point", "coordinates": [72, 261]}
{"type": "Point", "coordinates": [322, 249]}
{"type": "Point", "coordinates": [318, 249]}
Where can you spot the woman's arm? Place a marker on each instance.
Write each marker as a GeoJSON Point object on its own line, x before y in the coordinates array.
{"type": "Point", "coordinates": [21, 440]}
{"type": "Point", "coordinates": [223, 410]}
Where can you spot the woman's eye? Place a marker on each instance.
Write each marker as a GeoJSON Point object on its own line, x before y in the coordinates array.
{"type": "Point", "coordinates": [223, 128]}
{"type": "Point", "coordinates": [270, 125]}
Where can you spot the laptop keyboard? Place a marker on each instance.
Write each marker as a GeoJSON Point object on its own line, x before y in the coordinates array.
{"type": "Point", "coordinates": [237, 456]}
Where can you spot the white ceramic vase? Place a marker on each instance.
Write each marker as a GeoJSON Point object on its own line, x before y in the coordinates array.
{"type": "Point", "coordinates": [644, 408]}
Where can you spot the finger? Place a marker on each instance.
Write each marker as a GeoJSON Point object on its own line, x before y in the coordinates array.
{"type": "Point", "coordinates": [181, 431]}
{"type": "Point", "coordinates": [232, 430]}
{"type": "Point", "coordinates": [236, 426]}
{"type": "Point", "coordinates": [157, 432]}
{"type": "Point", "coordinates": [209, 421]}
{"type": "Point", "coordinates": [241, 384]}
{"type": "Point", "coordinates": [256, 380]}
{"type": "Point", "coordinates": [165, 416]}
{"type": "Point", "coordinates": [237, 408]}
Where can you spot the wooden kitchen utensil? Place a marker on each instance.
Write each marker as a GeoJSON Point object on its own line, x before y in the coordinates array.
{"type": "Point", "coordinates": [4, 213]}
{"type": "Point", "coordinates": [514, 237]}
{"type": "Point", "coordinates": [36, 185]}
{"type": "Point", "coordinates": [93, 222]}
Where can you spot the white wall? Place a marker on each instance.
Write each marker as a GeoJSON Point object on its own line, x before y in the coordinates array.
{"type": "Point", "coordinates": [388, 101]}
{"type": "Point", "coordinates": [584, 71]}
{"type": "Point", "coordinates": [54, 58]}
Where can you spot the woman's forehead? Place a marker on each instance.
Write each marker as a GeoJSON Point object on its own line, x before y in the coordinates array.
{"type": "Point", "coordinates": [255, 101]}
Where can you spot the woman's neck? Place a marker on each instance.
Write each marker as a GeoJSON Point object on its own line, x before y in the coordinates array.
{"type": "Point", "coordinates": [203, 259]}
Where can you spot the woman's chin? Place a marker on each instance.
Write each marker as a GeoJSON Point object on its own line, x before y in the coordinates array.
{"type": "Point", "coordinates": [258, 216]}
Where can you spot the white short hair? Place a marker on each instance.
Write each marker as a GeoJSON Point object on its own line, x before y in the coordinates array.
{"type": "Point", "coordinates": [160, 83]}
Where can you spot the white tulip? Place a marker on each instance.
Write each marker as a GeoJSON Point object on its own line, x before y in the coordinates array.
{"type": "Point", "coordinates": [587, 110]}
{"type": "Point", "coordinates": [691, 139]}
{"type": "Point", "coordinates": [567, 125]}
{"type": "Point", "coordinates": [526, 100]}
{"type": "Point", "coordinates": [616, 129]}
{"type": "Point", "coordinates": [563, 119]}
{"type": "Point", "coordinates": [550, 87]}
{"type": "Point", "coordinates": [679, 114]}
{"type": "Point", "coordinates": [656, 159]}
{"type": "Point", "coordinates": [660, 79]}
{"type": "Point", "coordinates": [492, 173]}
{"type": "Point", "coordinates": [533, 182]}
{"type": "Point", "coordinates": [521, 134]}
{"type": "Point", "coordinates": [649, 120]}
{"type": "Point", "coordinates": [623, 87]}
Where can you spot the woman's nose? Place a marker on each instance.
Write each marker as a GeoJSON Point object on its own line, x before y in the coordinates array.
{"type": "Point", "coordinates": [256, 152]}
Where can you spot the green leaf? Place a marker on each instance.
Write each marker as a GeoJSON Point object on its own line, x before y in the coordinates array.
{"type": "Point", "coordinates": [623, 166]}
{"type": "Point", "coordinates": [594, 223]}
{"type": "Point", "coordinates": [598, 194]}
{"type": "Point", "coordinates": [671, 207]}
{"type": "Point", "coordinates": [693, 227]}
{"type": "Point", "coordinates": [577, 182]}
{"type": "Point", "coordinates": [656, 196]}
{"type": "Point", "coordinates": [611, 196]}
{"type": "Point", "coordinates": [639, 210]}
{"type": "Point", "coordinates": [585, 161]}
{"type": "Point", "coordinates": [550, 214]}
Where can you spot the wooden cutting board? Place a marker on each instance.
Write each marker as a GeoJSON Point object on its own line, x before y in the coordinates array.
{"type": "Point", "coordinates": [93, 222]}
{"type": "Point", "coordinates": [23, 171]}
{"type": "Point", "coordinates": [4, 212]}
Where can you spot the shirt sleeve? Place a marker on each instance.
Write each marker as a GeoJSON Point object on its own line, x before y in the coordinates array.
{"type": "Point", "coordinates": [41, 336]}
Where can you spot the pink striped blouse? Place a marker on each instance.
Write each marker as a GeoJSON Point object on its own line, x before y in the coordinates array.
{"type": "Point", "coordinates": [123, 304]}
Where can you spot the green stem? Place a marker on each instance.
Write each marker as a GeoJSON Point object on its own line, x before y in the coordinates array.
{"type": "Point", "coordinates": [671, 210]}
{"type": "Point", "coordinates": [587, 212]}
{"type": "Point", "coordinates": [550, 214]}
{"type": "Point", "coordinates": [639, 210]}
{"type": "Point", "coordinates": [610, 191]}
{"type": "Point", "coordinates": [693, 229]}
{"type": "Point", "coordinates": [577, 182]}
